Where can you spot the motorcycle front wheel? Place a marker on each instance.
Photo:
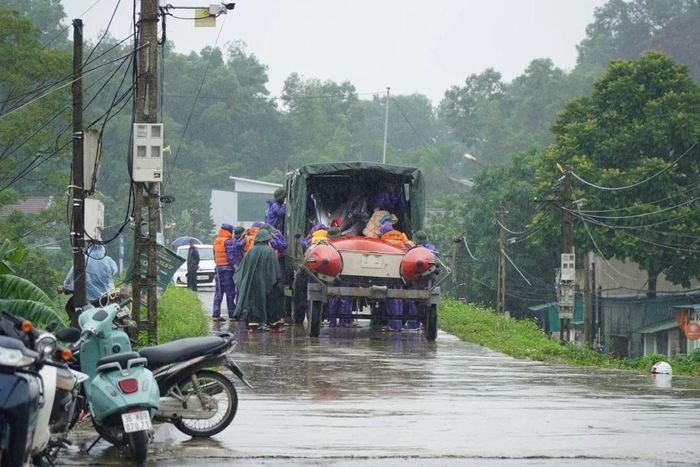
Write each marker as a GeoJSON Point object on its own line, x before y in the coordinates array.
{"type": "Point", "coordinates": [138, 445]}
{"type": "Point", "coordinates": [217, 390]}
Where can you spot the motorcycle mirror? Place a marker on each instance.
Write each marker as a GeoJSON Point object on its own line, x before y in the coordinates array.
{"type": "Point", "coordinates": [68, 335]}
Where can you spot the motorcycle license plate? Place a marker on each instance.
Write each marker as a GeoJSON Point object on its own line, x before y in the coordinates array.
{"type": "Point", "coordinates": [136, 421]}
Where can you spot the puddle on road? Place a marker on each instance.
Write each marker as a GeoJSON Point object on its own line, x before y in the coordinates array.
{"type": "Point", "coordinates": [355, 394]}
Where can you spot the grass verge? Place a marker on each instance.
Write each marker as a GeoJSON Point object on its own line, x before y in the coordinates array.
{"type": "Point", "coordinates": [180, 314]}
{"type": "Point", "coordinates": [524, 340]}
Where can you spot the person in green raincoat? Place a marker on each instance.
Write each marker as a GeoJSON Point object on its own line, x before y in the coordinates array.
{"type": "Point", "coordinates": [257, 275]}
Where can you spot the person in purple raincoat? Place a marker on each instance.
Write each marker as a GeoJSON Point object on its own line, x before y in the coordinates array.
{"type": "Point", "coordinates": [224, 257]}
{"type": "Point", "coordinates": [420, 238]}
{"type": "Point", "coordinates": [339, 307]}
{"type": "Point", "coordinates": [277, 209]}
{"type": "Point", "coordinates": [392, 199]}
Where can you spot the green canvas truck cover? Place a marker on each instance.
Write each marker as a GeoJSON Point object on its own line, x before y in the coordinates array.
{"type": "Point", "coordinates": [340, 182]}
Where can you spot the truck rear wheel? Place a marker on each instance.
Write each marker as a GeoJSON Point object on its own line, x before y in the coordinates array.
{"type": "Point", "coordinates": [315, 311]}
{"type": "Point", "coordinates": [430, 325]}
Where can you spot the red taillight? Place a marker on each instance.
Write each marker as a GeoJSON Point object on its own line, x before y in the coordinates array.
{"type": "Point", "coordinates": [128, 385]}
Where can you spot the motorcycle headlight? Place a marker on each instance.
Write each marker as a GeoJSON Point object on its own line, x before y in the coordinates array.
{"type": "Point", "coordinates": [46, 344]}
{"type": "Point", "coordinates": [15, 358]}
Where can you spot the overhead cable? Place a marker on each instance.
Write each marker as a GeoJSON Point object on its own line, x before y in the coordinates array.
{"type": "Point", "coordinates": [642, 182]}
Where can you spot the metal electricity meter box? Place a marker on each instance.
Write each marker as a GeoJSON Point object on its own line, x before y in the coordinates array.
{"type": "Point", "coordinates": [566, 295]}
{"type": "Point", "coordinates": [147, 158]}
{"type": "Point", "coordinates": [94, 218]}
{"type": "Point", "coordinates": [566, 312]}
{"type": "Point", "coordinates": [568, 267]}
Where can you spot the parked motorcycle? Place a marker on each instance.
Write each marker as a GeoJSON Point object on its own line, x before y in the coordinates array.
{"type": "Point", "coordinates": [197, 399]}
{"type": "Point", "coordinates": [46, 415]}
{"type": "Point", "coordinates": [21, 398]}
{"type": "Point", "coordinates": [122, 394]}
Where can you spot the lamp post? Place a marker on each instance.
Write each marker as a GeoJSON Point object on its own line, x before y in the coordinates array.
{"type": "Point", "coordinates": [473, 159]}
{"type": "Point", "coordinates": [386, 123]}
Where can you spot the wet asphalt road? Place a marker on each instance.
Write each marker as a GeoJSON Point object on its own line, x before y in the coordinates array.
{"type": "Point", "coordinates": [357, 397]}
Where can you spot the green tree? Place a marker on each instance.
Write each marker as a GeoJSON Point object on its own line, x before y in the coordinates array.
{"type": "Point", "coordinates": [33, 116]}
{"type": "Point", "coordinates": [530, 268]}
{"type": "Point", "coordinates": [34, 137]}
{"type": "Point", "coordinates": [47, 16]}
{"type": "Point", "coordinates": [533, 99]}
{"type": "Point", "coordinates": [626, 29]}
{"type": "Point", "coordinates": [20, 296]}
{"type": "Point", "coordinates": [633, 148]}
{"type": "Point", "coordinates": [221, 116]}
{"type": "Point", "coordinates": [474, 112]}
{"type": "Point", "coordinates": [319, 115]}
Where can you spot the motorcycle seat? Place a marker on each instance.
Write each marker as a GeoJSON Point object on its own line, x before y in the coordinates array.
{"type": "Point", "coordinates": [181, 349]}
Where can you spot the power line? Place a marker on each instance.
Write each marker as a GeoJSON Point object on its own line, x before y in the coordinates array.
{"type": "Point", "coordinates": [33, 162]}
{"type": "Point", "coordinates": [43, 89]}
{"type": "Point", "coordinates": [686, 202]}
{"type": "Point", "coordinates": [189, 115]}
{"type": "Point", "coordinates": [603, 256]}
{"type": "Point", "coordinates": [61, 86]}
{"type": "Point", "coordinates": [634, 185]}
{"type": "Point", "coordinates": [595, 220]}
{"type": "Point", "coordinates": [109, 24]}
{"type": "Point", "coordinates": [682, 194]}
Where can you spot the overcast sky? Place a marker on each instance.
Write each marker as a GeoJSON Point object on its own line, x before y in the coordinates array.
{"type": "Point", "coordinates": [411, 46]}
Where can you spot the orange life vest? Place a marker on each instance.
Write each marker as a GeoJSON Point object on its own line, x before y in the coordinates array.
{"type": "Point", "coordinates": [398, 238]}
{"type": "Point", "coordinates": [321, 235]}
{"type": "Point", "coordinates": [219, 247]}
{"type": "Point", "coordinates": [250, 238]}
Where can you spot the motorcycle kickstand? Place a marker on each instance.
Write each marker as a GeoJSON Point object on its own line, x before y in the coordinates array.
{"type": "Point", "coordinates": [55, 447]}
{"type": "Point", "coordinates": [99, 437]}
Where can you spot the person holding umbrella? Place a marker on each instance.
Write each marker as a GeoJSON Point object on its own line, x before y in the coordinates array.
{"type": "Point", "coordinates": [192, 265]}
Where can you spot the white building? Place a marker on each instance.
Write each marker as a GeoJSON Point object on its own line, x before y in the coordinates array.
{"type": "Point", "coordinates": [244, 205]}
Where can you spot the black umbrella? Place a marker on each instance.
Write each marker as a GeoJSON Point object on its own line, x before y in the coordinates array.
{"type": "Point", "coordinates": [179, 241]}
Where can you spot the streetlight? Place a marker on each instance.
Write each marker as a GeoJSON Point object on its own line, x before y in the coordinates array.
{"type": "Point", "coordinates": [472, 158]}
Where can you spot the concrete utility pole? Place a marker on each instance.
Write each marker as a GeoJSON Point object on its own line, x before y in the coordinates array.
{"type": "Point", "coordinates": [386, 124]}
{"type": "Point", "coordinates": [501, 288]}
{"type": "Point", "coordinates": [77, 188]}
{"type": "Point", "coordinates": [146, 194]}
{"type": "Point", "coordinates": [567, 230]}
{"type": "Point", "coordinates": [587, 300]}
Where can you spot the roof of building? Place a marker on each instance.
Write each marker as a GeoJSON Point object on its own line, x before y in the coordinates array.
{"type": "Point", "coordinates": [656, 327]}
{"type": "Point", "coordinates": [30, 205]}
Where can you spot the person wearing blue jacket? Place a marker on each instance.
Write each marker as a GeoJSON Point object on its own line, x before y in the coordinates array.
{"type": "Point", "coordinates": [100, 270]}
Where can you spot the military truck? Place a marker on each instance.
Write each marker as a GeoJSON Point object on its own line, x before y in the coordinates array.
{"type": "Point", "coordinates": [361, 268]}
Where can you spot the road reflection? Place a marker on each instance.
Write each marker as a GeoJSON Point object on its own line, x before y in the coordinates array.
{"type": "Point", "coordinates": [342, 361]}
{"type": "Point", "coordinates": [360, 397]}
